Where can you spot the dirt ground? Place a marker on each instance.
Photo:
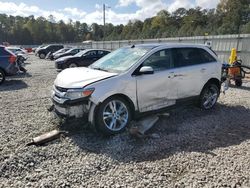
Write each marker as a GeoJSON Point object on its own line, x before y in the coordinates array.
{"type": "Point", "coordinates": [195, 148]}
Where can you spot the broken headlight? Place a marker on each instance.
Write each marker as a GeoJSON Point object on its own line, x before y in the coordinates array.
{"type": "Point", "coordinates": [79, 93]}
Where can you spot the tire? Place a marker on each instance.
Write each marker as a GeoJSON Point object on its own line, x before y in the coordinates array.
{"type": "Point", "coordinates": [209, 96]}
{"type": "Point", "coordinates": [2, 76]}
{"type": "Point", "coordinates": [113, 122]}
{"type": "Point", "coordinates": [238, 82]}
{"type": "Point", "coordinates": [72, 65]}
{"type": "Point", "coordinates": [42, 56]}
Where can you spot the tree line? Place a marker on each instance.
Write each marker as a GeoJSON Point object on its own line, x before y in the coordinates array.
{"type": "Point", "coordinates": [229, 17]}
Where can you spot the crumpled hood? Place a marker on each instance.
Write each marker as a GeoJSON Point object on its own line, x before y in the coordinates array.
{"type": "Point", "coordinates": [80, 77]}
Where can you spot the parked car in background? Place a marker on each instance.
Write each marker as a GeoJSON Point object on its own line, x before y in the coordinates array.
{"type": "Point", "coordinates": [70, 52]}
{"type": "Point", "coordinates": [61, 51]}
{"type": "Point", "coordinates": [20, 52]}
{"type": "Point", "coordinates": [138, 79]}
{"type": "Point", "coordinates": [38, 48]}
{"type": "Point", "coordinates": [42, 52]}
{"type": "Point", "coordinates": [29, 50]}
{"type": "Point", "coordinates": [81, 59]}
{"type": "Point", "coordinates": [7, 63]}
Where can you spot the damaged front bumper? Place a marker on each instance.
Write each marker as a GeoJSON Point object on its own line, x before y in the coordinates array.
{"type": "Point", "coordinates": [67, 108]}
{"type": "Point", "coordinates": [67, 111]}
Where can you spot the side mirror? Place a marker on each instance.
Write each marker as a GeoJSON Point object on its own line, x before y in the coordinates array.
{"type": "Point", "coordinates": [146, 70]}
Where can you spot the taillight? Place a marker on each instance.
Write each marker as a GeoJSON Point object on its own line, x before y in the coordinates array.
{"type": "Point", "coordinates": [12, 59]}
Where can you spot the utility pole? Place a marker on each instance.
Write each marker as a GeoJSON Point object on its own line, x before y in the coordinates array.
{"type": "Point", "coordinates": [104, 20]}
{"type": "Point", "coordinates": [104, 7]}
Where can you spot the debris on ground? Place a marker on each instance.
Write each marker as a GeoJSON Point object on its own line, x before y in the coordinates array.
{"type": "Point", "coordinates": [47, 137]}
{"type": "Point", "coordinates": [142, 126]}
{"type": "Point", "coordinates": [196, 148]}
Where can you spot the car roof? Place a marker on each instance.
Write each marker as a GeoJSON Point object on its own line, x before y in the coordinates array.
{"type": "Point", "coordinates": [97, 49]}
{"type": "Point", "coordinates": [169, 45]}
{"type": "Point", "coordinates": [13, 47]}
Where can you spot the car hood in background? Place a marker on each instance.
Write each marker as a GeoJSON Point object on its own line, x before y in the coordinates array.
{"type": "Point", "coordinates": [80, 77]}
{"type": "Point", "coordinates": [64, 58]}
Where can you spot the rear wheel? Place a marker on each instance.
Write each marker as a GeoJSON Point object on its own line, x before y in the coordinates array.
{"type": "Point", "coordinates": [2, 76]}
{"type": "Point", "coordinates": [42, 56]}
{"type": "Point", "coordinates": [209, 96]}
{"type": "Point", "coordinates": [72, 65]}
{"type": "Point", "coordinates": [238, 82]}
{"type": "Point", "coordinates": [113, 115]}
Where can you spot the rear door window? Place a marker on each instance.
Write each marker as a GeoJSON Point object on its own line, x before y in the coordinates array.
{"type": "Point", "coordinates": [91, 54]}
{"type": "Point", "coordinates": [191, 56]}
{"type": "Point", "coordinates": [101, 53]}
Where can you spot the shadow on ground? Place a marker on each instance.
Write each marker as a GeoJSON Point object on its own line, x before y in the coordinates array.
{"type": "Point", "coordinates": [243, 87]}
{"type": "Point", "coordinates": [188, 129]}
{"type": "Point", "coordinates": [12, 85]}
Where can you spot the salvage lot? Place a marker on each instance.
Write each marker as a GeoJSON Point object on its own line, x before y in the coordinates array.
{"type": "Point", "coordinates": [195, 149]}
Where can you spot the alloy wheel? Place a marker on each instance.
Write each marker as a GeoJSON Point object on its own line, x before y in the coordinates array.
{"type": "Point", "coordinates": [1, 77]}
{"type": "Point", "coordinates": [115, 115]}
{"type": "Point", "coordinates": [210, 97]}
{"type": "Point", "coordinates": [72, 65]}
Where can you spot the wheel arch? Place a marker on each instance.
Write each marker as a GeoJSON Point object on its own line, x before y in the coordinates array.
{"type": "Point", "coordinates": [123, 96]}
{"type": "Point", "coordinates": [127, 99]}
{"type": "Point", "coordinates": [69, 62]}
{"type": "Point", "coordinates": [3, 70]}
{"type": "Point", "coordinates": [95, 107]}
{"type": "Point", "coordinates": [215, 81]}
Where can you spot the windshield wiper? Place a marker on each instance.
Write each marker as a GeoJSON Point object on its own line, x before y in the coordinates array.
{"type": "Point", "coordinates": [101, 69]}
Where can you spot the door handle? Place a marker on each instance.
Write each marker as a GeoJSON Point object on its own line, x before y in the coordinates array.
{"type": "Point", "coordinates": [203, 69]}
{"type": "Point", "coordinates": [178, 75]}
{"type": "Point", "coordinates": [171, 75]}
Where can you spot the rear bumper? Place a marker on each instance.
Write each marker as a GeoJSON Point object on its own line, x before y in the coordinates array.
{"type": "Point", "coordinates": [11, 69]}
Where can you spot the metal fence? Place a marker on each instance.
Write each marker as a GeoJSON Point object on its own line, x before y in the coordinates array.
{"type": "Point", "coordinates": [221, 44]}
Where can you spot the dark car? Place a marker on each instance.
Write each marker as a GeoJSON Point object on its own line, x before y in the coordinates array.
{"type": "Point", "coordinates": [82, 59]}
{"type": "Point", "coordinates": [61, 51]}
{"type": "Point", "coordinates": [42, 52]}
{"type": "Point", "coordinates": [70, 52]}
{"type": "Point", "coordinates": [7, 63]}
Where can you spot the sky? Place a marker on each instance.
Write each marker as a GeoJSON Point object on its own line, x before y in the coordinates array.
{"type": "Point", "coordinates": [117, 11]}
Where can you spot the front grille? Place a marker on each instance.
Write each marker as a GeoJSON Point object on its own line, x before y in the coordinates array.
{"type": "Point", "coordinates": [61, 89]}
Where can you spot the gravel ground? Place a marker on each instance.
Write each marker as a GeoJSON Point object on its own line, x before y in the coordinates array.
{"type": "Point", "coordinates": [195, 149]}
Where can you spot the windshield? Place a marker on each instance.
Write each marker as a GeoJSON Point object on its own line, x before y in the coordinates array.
{"type": "Point", "coordinates": [79, 54]}
{"type": "Point", "coordinates": [120, 60]}
{"type": "Point", "coordinates": [71, 50]}
{"type": "Point", "coordinates": [62, 50]}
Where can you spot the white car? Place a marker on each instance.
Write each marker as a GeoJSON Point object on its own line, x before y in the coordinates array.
{"type": "Point", "coordinates": [137, 79]}
{"type": "Point", "coordinates": [19, 51]}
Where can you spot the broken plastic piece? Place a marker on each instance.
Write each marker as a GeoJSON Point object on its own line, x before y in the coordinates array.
{"type": "Point", "coordinates": [143, 126]}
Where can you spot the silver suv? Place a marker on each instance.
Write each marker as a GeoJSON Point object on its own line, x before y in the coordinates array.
{"type": "Point", "coordinates": [138, 79]}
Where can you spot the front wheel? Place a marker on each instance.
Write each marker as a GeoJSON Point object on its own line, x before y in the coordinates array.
{"type": "Point", "coordinates": [113, 115]}
{"type": "Point", "coordinates": [72, 65]}
{"type": "Point", "coordinates": [209, 96]}
{"type": "Point", "coordinates": [2, 76]}
{"type": "Point", "coordinates": [42, 56]}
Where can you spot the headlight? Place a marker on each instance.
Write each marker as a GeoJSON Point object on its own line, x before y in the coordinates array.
{"type": "Point", "coordinates": [59, 62]}
{"type": "Point", "coordinates": [76, 93]}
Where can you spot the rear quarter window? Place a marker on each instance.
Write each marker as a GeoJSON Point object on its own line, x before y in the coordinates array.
{"type": "Point", "coordinates": [207, 57]}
